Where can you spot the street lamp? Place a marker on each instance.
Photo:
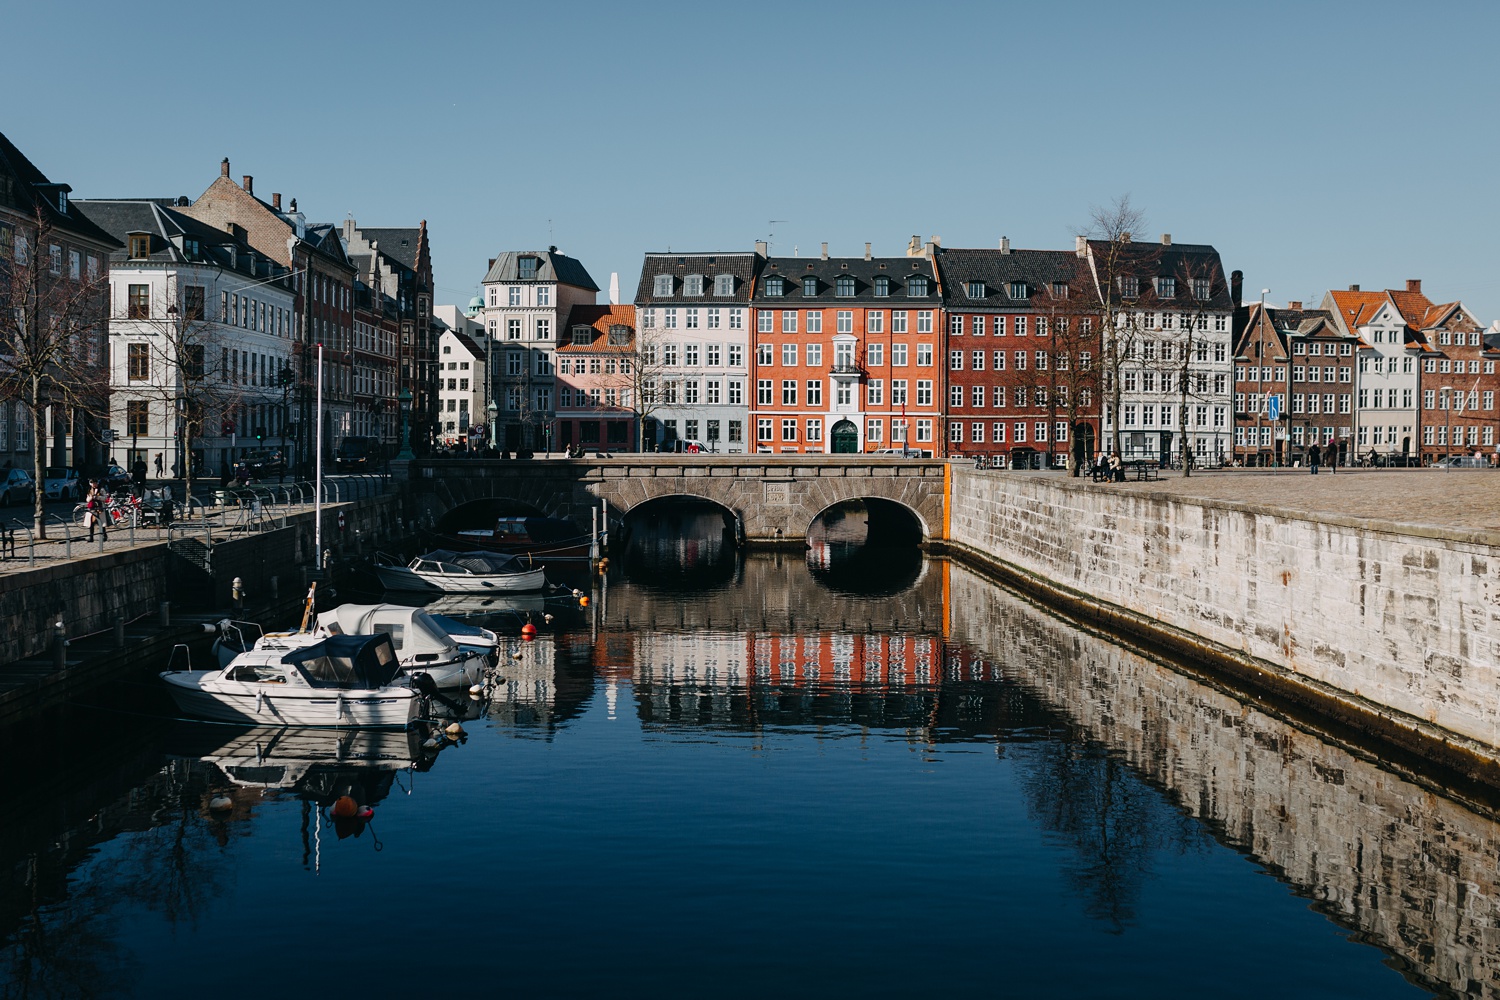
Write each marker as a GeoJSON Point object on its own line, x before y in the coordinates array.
{"type": "Point", "coordinates": [405, 400]}
{"type": "Point", "coordinates": [494, 423]}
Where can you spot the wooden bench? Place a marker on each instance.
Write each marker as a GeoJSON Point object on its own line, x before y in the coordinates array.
{"type": "Point", "coordinates": [1146, 469]}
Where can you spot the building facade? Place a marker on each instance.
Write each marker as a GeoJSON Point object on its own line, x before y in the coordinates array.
{"type": "Point", "coordinates": [1386, 386]}
{"type": "Point", "coordinates": [846, 354]}
{"type": "Point", "coordinates": [1303, 359]}
{"type": "Point", "coordinates": [1021, 346]}
{"type": "Point", "coordinates": [528, 295]}
{"type": "Point", "coordinates": [599, 379]}
{"type": "Point", "coordinates": [55, 255]}
{"type": "Point", "coordinates": [462, 419]}
{"type": "Point", "coordinates": [1457, 382]}
{"type": "Point", "coordinates": [201, 328]}
{"type": "Point", "coordinates": [694, 313]}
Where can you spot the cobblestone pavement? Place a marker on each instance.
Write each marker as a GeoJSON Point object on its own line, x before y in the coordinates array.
{"type": "Point", "coordinates": [1454, 498]}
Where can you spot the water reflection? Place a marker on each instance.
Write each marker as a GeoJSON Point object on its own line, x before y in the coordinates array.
{"type": "Point", "coordinates": [680, 543]}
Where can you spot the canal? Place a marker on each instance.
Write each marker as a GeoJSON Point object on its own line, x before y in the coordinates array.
{"type": "Point", "coordinates": [857, 771]}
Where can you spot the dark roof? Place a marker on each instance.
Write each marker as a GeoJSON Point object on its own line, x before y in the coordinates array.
{"type": "Point", "coordinates": [553, 266]}
{"type": "Point", "coordinates": [469, 343]}
{"type": "Point", "coordinates": [743, 266]}
{"type": "Point", "coordinates": [1038, 270]}
{"type": "Point", "coordinates": [33, 188]}
{"type": "Point", "coordinates": [398, 244]}
{"type": "Point", "coordinates": [864, 272]}
{"type": "Point", "coordinates": [158, 216]}
{"type": "Point", "coordinates": [1183, 261]}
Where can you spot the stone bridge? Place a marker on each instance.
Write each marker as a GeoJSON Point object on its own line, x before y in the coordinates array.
{"type": "Point", "coordinates": [776, 496]}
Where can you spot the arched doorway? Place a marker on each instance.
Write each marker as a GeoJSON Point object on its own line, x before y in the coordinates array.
{"type": "Point", "coordinates": [844, 438]}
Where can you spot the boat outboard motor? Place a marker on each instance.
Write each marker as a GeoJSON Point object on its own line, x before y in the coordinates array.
{"type": "Point", "coordinates": [428, 689]}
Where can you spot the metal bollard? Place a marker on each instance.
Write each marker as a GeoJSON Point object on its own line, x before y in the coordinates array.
{"type": "Point", "coordinates": [166, 614]}
{"type": "Point", "coordinates": [120, 633]}
{"type": "Point", "coordinates": [237, 592]}
{"type": "Point", "coordinates": [59, 645]}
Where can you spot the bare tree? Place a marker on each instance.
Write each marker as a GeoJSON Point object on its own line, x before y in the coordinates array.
{"type": "Point", "coordinates": [1116, 263]}
{"type": "Point", "coordinates": [51, 335]}
{"type": "Point", "coordinates": [1187, 364]}
{"type": "Point", "coordinates": [1072, 377]}
{"type": "Point", "coordinates": [646, 376]}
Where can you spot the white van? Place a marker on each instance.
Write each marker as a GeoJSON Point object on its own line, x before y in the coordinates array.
{"type": "Point", "coordinates": [680, 446]}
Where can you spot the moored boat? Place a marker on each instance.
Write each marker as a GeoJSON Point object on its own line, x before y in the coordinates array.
{"type": "Point", "coordinates": [343, 680]}
{"type": "Point", "coordinates": [549, 538]}
{"type": "Point", "coordinates": [461, 573]}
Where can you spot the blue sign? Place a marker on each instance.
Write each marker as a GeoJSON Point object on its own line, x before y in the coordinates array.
{"type": "Point", "coordinates": [1273, 407]}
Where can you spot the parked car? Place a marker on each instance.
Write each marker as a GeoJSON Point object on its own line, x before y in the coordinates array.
{"type": "Point", "coordinates": [901, 453]}
{"type": "Point", "coordinates": [62, 484]}
{"type": "Point", "coordinates": [357, 454]}
{"type": "Point", "coordinates": [263, 464]}
{"type": "Point", "coordinates": [18, 487]}
{"type": "Point", "coordinates": [683, 446]}
{"type": "Point", "coordinates": [114, 477]}
{"type": "Point", "coordinates": [1462, 462]}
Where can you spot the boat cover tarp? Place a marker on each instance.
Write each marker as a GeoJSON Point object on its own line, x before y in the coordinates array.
{"type": "Point", "coordinates": [543, 529]}
{"type": "Point", "coordinates": [412, 630]}
{"type": "Point", "coordinates": [491, 563]}
{"type": "Point", "coordinates": [347, 661]}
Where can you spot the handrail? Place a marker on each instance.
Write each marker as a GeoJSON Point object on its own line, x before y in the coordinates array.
{"type": "Point", "coordinates": [67, 532]}
{"type": "Point", "coordinates": [30, 539]}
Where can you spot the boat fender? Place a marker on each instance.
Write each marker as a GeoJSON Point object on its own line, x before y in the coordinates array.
{"type": "Point", "coordinates": [219, 803]}
{"type": "Point", "coordinates": [365, 813]}
{"type": "Point", "coordinates": [577, 592]}
{"type": "Point", "coordinates": [475, 690]}
{"type": "Point", "coordinates": [454, 731]}
{"type": "Point", "coordinates": [547, 619]}
{"type": "Point", "coordinates": [344, 807]}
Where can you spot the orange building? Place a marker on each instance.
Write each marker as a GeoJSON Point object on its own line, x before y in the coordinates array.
{"type": "Point", "coordinates": [846, 354]}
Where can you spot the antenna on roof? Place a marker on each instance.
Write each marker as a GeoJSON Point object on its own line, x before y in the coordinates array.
{"type": "Point", "coordinates": [771, 237]}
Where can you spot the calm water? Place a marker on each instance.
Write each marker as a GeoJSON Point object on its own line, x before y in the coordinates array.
{"type": "Point", "coordinates": [760, 778]}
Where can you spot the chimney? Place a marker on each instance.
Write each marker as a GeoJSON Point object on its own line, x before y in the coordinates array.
{"type": "Point", "coordinates": [1125, 236]}
{"type": "Point", "coordinates": [937, 240]}
{"type": "Point", "coordinates": [1005, 244]}
{"type": "Point", "coordinates": [1353, 288]}
{"type": "Point", "coordinates": [762, 247]}
{"type": "Point", "coordinates": [914, 247]}
{"type": "Point", "coordinates": [825, 251]}
{"type": "Point", "coordinates": [224, 167]}
{"type": "Point", "coordinates": [1166, 239]}
{"type": "Point", "coordinates": [867, 251]}
{"type": "Point", "coordinates": [249, 184]}
{"type": "Point", "coordinates": [1414, 285]}
{"type": "Point", "coordinates": [1236, 287]}
{"type": "Point", "coordinates": [614, 288]}
{"type": "Point", "coordinates": [1081, 245]}
{"type": "Point", "coordinates": [1294, 305]}
{"type": "Point", "coordinates": [276, 200]}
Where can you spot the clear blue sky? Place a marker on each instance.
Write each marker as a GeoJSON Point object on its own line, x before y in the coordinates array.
{"type": "Point", "coordinates": [1316, 144]}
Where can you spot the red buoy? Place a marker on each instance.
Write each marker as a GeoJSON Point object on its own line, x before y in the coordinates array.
{"type": "Point", "coordinates": [528, 630]}
{"type": "Point", "coordinates": [344, 807]}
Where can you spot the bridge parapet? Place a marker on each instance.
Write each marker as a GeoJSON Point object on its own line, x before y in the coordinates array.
{"type": "Point", "coordinates": [776, 496]}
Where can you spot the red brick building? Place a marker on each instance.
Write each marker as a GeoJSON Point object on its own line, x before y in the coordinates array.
{"type": "Point", "coordinates": [846, 354]}
{"type": "Point", "coordinates": [1020, 345]}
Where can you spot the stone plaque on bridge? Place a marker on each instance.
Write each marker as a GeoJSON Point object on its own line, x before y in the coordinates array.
{"type": "Point", "coordinates": [780, 493]}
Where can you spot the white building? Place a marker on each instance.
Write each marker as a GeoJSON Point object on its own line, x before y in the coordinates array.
{"type": "Point", "coordinates": [694, 311]}
{"type": "Point", "coordinates": [1387, 380]}
{"type": "Point", "coordinates": [460, 377]}
{"type": "Point", "coordinates": [181, 283]}
{"type": "Point", "coordinates": [528, 294]}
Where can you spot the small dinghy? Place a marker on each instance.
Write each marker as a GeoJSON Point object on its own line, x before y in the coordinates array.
{"type": "Point", "coordinates": [461, 573]}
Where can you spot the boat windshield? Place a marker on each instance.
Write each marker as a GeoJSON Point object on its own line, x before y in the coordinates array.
{"type": "Point", "coordinates": [477, 562]}
{"type": "Point", "coordinates": [347, 661]}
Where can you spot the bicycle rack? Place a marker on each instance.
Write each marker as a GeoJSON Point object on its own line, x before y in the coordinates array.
{"type": "Point", "coordinates": [30, 539]}
{"type": "Point", "coordinates": [67, 532]}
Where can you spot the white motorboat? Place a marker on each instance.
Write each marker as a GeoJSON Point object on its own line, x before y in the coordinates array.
{"type": "Point", "coordinates": [461, 573]}
{"type": "Point", "coordinates": [341, 680]}
{"type": "Point", "coordinates": [451, 654]}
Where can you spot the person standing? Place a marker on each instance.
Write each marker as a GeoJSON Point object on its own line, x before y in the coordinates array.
{"type": "Point", "coordinates": [1314, 458]}
{"type": "Point", "coordinates": [138, 475]}
{"type": "Point", "coordinates": [158, 465]}
{"type": "Point", "coordinates": [94, 512]}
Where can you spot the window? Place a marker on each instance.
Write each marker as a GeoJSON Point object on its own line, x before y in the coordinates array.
{"type": "Point", "coordinates": [516, 295]}
{"type": "Point", "coordinates": [875, 355]}
{"type": "Point", "coordinates": [1129, 287]}
{"type": "Point", "coordinates": [814, 431]}
{"type": "Point", "coordinates": [75, 265]}
{"type": "Point", "coordinates": [763, 354]}
{"type": "Point", "coordinates": [736, 319]}
{"type": "Point", "coordinates": [898, 321]}
{"type": "Point", "coordinates": [1166, 288]}
{"type": "Point", "coordinates": [916, 287]}
{"type": "Point", "coordinates": [693, 285]}
{"type": "Point", "coordinates": [789, 321]}
{"type": "Point", "coordinates": [815, 321]}
{"type": "Point", "coordinates": [975, 289]}
{"type": "Point", "coordinates": [814, 355]}
{"type": "Point", "coordinates": [724, 285]}
{"type": "Point", "coordinates": [776, 285]}
{"type": "Point", "coordinates": [736, 392]}
{"type": "Point", "coordinates": [875, 392]}
{"type": "Point", "coordinates": [544, 295]}
{"type": "Point", "coordinates": [810, 286]}
{"type": "Point", "coordinates": [956, 432]}
{"type": "Point", "coordinates": [956, 360]}
{"type": "Point", "coordinates": [713, 391]}
{"type": "Point", "coordinates": [138, 364]}
{"type": "Point", "coordinates": [192, 302]}
{"type": "Point", "coordinates": [976, 396]}
{"type": "Point", "coordinates": [1020, 326]}
{"type": "Point", "coordinates": [544, 329]}
{"type": "Point", "coordinates": [924, 392]}
{"type": "Point", "coordinates": [789, 429]}
{"type": "Point", "coordinates": [924, 430]}
{"type": "Point", "coordinates": [789, 392]}
{"type": "Point", "coordinates": [844, 286]}
{"type": "Point", "coordinates": [763, 429]}
{"type": "Point", "coordinates": [874, 321]}
{"type": "Point", "coordinates": [924, 355]}
{"type": "Point", "coordinates": [526, 268]}
{"type": "Point", "coordinates": [845, 321]}
{"type": "Point", "coordinates": [763, 392]}
{"type": "Point", "coordinates": [140, 246]}
{"type": "Point", "coordinates": [882, 286]}
{"type": "Point", "coordinates": [999, 359]}
{"type": "Point", "coordinates": [789, 355]}
{"type": "Point", "coordinates": [515, 363]}
{"type": "Point", "coordinates": [955, 395]}
{"type": "Point", "coordinates": [139, 304]}
{"type": "Point", "coordinates": [512, 329]}
{"type": "Point", "coordinates": [898, 355]}
{"type": "Point", "coordinates": [137, 417]}
{"type": "Point", "coordinates": [898, 392]}
{"type": "Point", "coordinates": [1020, 361]}
{"type": "Point", "coordinates": [924, 321]}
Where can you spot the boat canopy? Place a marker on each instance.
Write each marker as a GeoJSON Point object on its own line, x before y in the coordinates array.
{"type": "Point", "coordinates": [347, 661]}
{"type": "Point", "coordinates": [413, 632]}
{"type": "Point", "coordinates": [489, 563]}
{"type": "Point", "coordinates": [539, 529]}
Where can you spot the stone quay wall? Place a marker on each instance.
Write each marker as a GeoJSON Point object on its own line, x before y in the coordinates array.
{"type": "Point", "coordinates": [1391, 628]}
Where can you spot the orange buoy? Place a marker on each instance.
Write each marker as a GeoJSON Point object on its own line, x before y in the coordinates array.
{"type": "Point", "coordinates": [583, 602]}
{"type": "Point", "coordinates": [344, 807]}
{"type": "Point", "coordinates": [528, 630]}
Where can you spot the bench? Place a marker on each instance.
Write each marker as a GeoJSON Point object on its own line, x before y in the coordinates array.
{"type": "Point", "coordinates": [1146, 469]}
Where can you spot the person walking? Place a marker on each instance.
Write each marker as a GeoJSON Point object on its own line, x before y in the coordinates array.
{"type": "Point", "coordinates": [158, 465]}
{"type": "Point", "coordinates": [138, 475]}
{"type": "Point", "coordinates": [1314, 458]}
{"type": "Point", "coordinates": [94, 512]}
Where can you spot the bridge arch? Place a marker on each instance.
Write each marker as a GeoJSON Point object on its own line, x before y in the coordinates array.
{"type": "Point", "coordinates": [883, 514]}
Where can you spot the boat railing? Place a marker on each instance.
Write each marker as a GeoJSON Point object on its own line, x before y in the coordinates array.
{"type": "Point", "coordinates": [187, 658]}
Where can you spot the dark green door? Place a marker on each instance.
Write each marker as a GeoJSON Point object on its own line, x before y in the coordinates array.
{"type": "Point", "coordinates": [845, 438]}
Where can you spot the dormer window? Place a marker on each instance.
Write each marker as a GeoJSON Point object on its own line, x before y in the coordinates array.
{"type": "Point", "coordinates": [976, 289]}
{"type": "Point", "coordinates": [583, 336]}
{"type": "Point", "coordinates": [692, 285]}
{"type": "Point", "coordinates": [526, 268]}
{"type": "Point", "coordinates": [140, 246]}
{"type": "Point", "coordinates": [724, 284]}
{"type": "Point", "coordinates": [776, 286]}
{"type": "Point", "coordinates": [1202, 288]}
{"type": "Point", "coordinates": [809, 286]}
{"type": "Point", "coordinates": [917, 287]}
{"type": "Point", "coordinates": [619, 335]}
{"type": "Point", "coordinates": [1059, 289]}
{"type": "Point", "coordinates": [1018, 290]}
{"type": "Point", "coordinates": [191, 248]}
{"type": "Point", "coordinates": [62, 202]}
{"type": "Point", "coordinates": [1129, 286]}
{"type": "Point", "coordinates": [882, 286]}
{"type": "Point", "coordinates": [662, 286]}
{"type": "Point", "coordinates": [1166, 288]}
{"type": "Point", "coordinates": [844, 287]}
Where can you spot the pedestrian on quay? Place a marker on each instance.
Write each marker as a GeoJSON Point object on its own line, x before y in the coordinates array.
{"type": "Point", "coordinates": [94, 512]}
{"type": "Point", "coordinates": [158, 465]}
{"type": "Point", "coordinates": [1314, 458]}
{"type": "Point", "coordinates": [138, 475]}
{"type": "Point", "coordinates": [1333, 461]}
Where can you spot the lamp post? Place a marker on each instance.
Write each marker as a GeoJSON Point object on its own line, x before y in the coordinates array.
{"type": "Point", "coordinates": [285, 377]}
{"type": "Point", "coordinates": [492, 414]}
{"type": "Point", "coordinates": [405, 454]}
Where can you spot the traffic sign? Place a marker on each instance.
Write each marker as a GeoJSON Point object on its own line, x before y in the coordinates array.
{"type": "Point", "coordinates": [1273, 407]}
